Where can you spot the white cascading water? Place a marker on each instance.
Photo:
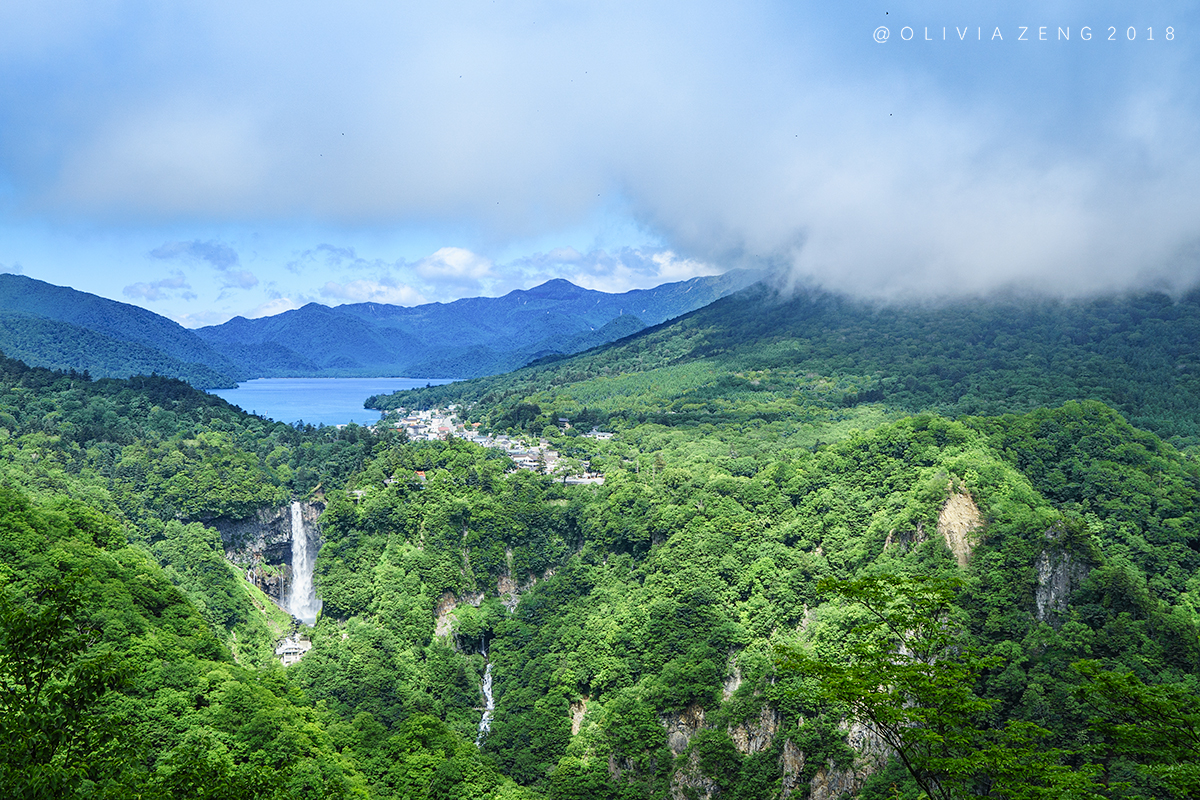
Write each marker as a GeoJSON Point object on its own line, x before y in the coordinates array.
{"type": "Point", "coordinates": [302, 601]}
{"type": "Point", "coordinates": [489, 705]}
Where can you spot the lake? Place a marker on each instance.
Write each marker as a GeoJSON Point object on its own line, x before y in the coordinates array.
{"type": "Point", "coordinates": [319, 401]}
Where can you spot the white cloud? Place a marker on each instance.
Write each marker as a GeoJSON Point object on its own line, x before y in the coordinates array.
{"type": "Point", "coordinates": [752, 134]}
{"type": "Point", "coordinates": [163, 159]}
{"type": "Point", "coordinates": [673, 268]}
{"type": "Point", "coordinates": [619, 271]}
{"type": "Point", "coordinates": [633, 269]}
{"type": "Point", "coordinates": [238, 279]}
{"type": "Point", "coordinates": [199, 319]}
{"type": "Point", "coordinates": [368, 291]}
{"type": "Point", "coordinates": [564, 255]}
{"type": "Point", "coordinates": [160, 289]}
{"type": "Point", "coordinates": [328, 254]}
{"type": "Point", "coordinates": [218, 255]}
{"type": "Point", "coordinates": [454, 264]}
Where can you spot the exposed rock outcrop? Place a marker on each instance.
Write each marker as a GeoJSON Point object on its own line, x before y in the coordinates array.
{"type": "Point", "coordinates": [871, 754]}
{"type": "Point", "coordinates": [509, 592]}
{"type": "Point", "coordinates": [578, 710]}
{"type": "Point", "coordinates": [733, 681]}
{"type": "Point", "coordinates": [443, 613]}
{"type": "Point", "coordinates": [959, 524]}
{"type": "Point", "coordinates": [689, 782]}
{"type": "Point", "coordinates": [905, 539]}
{"type": "Point", "coordinates": [681, 727]}
{"type": "Point", "coordinates": [759, 735]}
{"type": "Point", "coordinates": [1059, 573]}
{"type": "Point", "coordinates": [791, 763]}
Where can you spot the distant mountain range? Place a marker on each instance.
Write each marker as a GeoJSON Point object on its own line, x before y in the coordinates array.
{"type": "Point", "coordinates": [61, 328]}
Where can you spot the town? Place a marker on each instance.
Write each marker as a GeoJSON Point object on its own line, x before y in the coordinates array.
{"type": "Point", "coordinates": [536, 456]}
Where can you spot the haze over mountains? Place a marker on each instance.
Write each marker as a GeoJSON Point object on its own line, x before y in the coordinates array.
{"type": "Point", "coordinates": [464, 339]}
{"type": "Point", "coordinates": [61, 328]}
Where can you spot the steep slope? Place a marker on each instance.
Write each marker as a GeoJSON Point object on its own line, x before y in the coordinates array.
{"type": "Point", "coordinates": [132, 336]}
{"type": "Point", "coordinates": [633, 636]}
{"type": "Point", "coordinates": [469, 337]}
{"type": "Point", "coordinates": [634, 630]}
{"type": "Point", "coordinates": [60, 345]}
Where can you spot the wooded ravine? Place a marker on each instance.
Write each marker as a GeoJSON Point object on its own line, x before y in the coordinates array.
{"type": "Point", "coordinates": [837, 551]}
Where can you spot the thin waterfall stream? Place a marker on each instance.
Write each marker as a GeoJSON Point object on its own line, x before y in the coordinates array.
{"type": "Point", "coordinates": [302, 600]}
{"type": "Point", "coordinates": [489, 704]}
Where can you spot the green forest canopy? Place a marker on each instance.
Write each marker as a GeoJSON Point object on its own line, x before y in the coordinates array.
{"type": "Point", "coordinates": [718, 574]}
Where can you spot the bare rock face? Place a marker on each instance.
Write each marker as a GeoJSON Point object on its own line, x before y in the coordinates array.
{"type": "Point", "coordinates": [264, 537]}
{"type": "Point", "coordinates": [507, 588]}
{"type": "Point", "coordinates": [755, 736]}
{"type": "Point", "coordinates": [871, 754]}
{"type": "Point", "coordinates": [1059, 573]}
{"type": "Point", "coordinates": [791, 763]}
{"type": "Point", "coordinates": [578, 710]}
{"type": "Point", "coordinates": [509, 592]}
{"type": "Point", "coordinates": [445, 620]}
{"type": "Point", "coordinates": [271, 581]}
{"type": "Point", "coordinates": [682, 727]}
{"type": "Point", "coordinates": [759, 735]}
{"type": "Point", "coordinates": [905, 539]}
{"type": "Point", "coordinates": [959, 524]}
{"type": "Point", "coordinates": [733, 681]}
{"type": "Point", "coordinates": [443, 615]}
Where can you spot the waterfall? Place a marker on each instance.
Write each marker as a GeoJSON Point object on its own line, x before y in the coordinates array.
{"type": "Point", "coordinates": [302, 600]}
{"type": "Point", "coordinates": [489, 705]}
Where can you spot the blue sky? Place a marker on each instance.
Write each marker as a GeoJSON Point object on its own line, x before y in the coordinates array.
{"type": "Point", "coordinates": [207, 159]}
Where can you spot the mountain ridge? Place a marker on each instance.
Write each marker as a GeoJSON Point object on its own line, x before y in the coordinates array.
{"type": "Point", "coordinates": [475, 335]}
{"type": "Point", "coordinates": [62, 328]}
{"type": "Point", "coordinates": [45, 325]}
{"type": "Point", "coordinates": [1136, 353]}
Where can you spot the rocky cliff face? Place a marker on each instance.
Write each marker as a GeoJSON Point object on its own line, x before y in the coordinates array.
{"type": "Point", "coordinates": [871, 753]}
{"type": "Point", "coordinates": [755, 736]}
{"type": "Point", "coordinates": [1059, 573]}
{"type": "Point", "coordinates": [759, 735]}
{"type": "Point", "coordinates": [682, 727]}
{"type": "Point", "coordinates": [262, 545]}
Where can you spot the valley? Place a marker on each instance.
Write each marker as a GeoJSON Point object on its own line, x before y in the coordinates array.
{"type": "Point", "coordinates": [593, 401]}
{"type": "Point", "coordinates": [789, 518]}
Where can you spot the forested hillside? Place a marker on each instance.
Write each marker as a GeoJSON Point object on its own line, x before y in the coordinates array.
{"type": "Point", "coordinates": [60, 328]}
{"type": "Point", "coordinates": [817, 565]}
{"type": "Point", "coordinates": [758, 355]}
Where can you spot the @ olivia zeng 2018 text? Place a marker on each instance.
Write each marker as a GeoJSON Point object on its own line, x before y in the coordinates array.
{"type": "Point", "coordinates": [1027, 33]}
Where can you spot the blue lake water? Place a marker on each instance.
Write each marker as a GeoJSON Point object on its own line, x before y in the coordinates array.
{"type": "Point", "coordinates": [327, 401]}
